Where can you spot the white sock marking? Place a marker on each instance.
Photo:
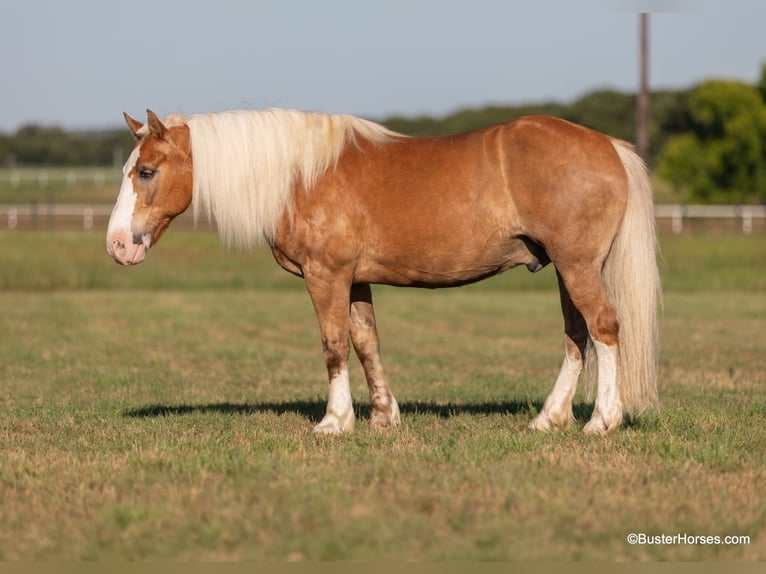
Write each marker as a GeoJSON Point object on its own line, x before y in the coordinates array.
{"type": "Point", "coordinates": [339, 417]}
{"type": "Point", "coordinates": [557, 410]}
{"type": "Point", "coordinates": [607, 414]}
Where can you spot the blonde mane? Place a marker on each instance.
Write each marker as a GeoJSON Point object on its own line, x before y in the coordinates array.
{"type": "Point", "coordinates": [246, 164]}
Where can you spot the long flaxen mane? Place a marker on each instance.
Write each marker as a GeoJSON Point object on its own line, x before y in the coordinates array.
{"type": "Point", "coordinates": [247, 163]}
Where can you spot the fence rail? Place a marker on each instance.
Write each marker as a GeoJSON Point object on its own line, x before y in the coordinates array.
{"type": "Point", "coordinates": [41, 215]}
{"type": "Point", "coordinates": [679, 213]}
{"type": "Point", "coordinates": [57, 176]}
{"type": "Point", "coordinates": [50, 215]}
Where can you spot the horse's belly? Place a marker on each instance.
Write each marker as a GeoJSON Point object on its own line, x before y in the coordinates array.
{"type": "Point", "coordinates": [445, 264]}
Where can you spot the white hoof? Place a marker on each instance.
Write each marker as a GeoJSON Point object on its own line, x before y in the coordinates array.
{"type": "Point", "coordinates": [540, 423]}
{"type": "Point", "coordinates": [600, 424]}
{"type": "Point", "coordinates": [554, 420]}
{"type": "Point", "coordinates": [333, 426]}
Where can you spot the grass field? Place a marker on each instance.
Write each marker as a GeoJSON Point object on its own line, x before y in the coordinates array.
{"type": "Point", "coordinates": [164, 412]}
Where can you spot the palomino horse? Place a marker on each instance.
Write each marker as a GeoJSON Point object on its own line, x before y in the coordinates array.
{"type": "Point", "coordinates": [345, 203]}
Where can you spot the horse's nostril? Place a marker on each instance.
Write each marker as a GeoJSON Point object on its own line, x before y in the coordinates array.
{"type": "Point", "coordinates": [118, 247]}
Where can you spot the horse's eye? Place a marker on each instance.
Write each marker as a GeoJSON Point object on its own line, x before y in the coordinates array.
{"type": "Point", "coordinates": [146, 172]}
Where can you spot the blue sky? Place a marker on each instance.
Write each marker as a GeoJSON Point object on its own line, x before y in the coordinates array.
{"type": "Point", "coordinates": [81, 63]}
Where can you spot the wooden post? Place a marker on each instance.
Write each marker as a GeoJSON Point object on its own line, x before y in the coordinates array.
{"type": "Point", "coordinates": [642, 104]}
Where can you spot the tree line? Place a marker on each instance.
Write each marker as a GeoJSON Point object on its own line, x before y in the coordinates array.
{"type": "Point", "coordinates": [36, 145]}
{"type": "Point", "coordinates": [708, 141]}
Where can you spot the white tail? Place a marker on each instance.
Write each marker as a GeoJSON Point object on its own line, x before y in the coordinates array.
{"type": "Point", "coordinates": [632, 283]}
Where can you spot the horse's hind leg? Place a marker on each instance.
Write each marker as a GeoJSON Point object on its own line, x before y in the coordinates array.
{"type": "Point", "coordinates": [557, 410]}
{"type": "Point", "coordinates": [384, 412]}
{"type": "Point", "coordinates": [586, 290]}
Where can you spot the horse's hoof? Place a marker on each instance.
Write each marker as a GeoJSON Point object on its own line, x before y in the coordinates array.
{"type": "Point", "coordinates": [331, 425]}
{"type": "Point", "coordinates": [385, 420]}
{"type": "Point", "coordinates": [598, 424]}
{"type": "Point", "coordinates": [540, 423]}
{"type": "Point", "coordinates": [551, 421]}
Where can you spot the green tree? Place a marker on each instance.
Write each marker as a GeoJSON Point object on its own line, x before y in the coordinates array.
{"type": "Point", "coordinates": [607, 111]}
{"type": "Point", "coordinates": [5, 151]}
{"type": "Point", "coordinates": [762, 82]}
{"type": "Point", "coordinates": [722, 156]}
{"type": "Point", "coordinates": [41, 145]}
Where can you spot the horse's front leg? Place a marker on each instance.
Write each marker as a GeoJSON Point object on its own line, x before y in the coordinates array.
{"type": "Point", "coordinates": [331, 303]}
{"type": "Point", "coordinates": [384, 412]}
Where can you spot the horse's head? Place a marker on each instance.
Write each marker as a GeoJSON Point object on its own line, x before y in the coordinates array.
{"type": "Point", "coordinates": [156, 187]}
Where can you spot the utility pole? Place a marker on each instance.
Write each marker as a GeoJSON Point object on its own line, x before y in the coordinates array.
{"type": "Point", "coordinates": [642, 104]}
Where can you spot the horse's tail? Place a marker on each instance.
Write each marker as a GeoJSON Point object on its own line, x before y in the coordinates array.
{"type": "Point", "coordinates": [632, 283]}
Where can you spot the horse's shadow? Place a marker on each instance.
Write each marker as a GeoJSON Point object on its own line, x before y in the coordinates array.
{"type": "Point", "coordinates": [314, 410]}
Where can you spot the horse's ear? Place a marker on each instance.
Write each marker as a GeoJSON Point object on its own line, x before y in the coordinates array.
{"type": "Point", "coordinates": [134, 125]}
{"type": "Point", "coordinates": [156, 127]}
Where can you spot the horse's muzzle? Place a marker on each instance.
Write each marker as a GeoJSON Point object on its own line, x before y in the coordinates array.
{"type": "Point", "coordinates": [125, 248]}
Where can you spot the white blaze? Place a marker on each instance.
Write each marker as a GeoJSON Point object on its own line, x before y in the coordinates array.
{"type": "Point", "coordinates": [122, 214]}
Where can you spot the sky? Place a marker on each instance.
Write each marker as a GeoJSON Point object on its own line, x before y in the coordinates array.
{"type": "Point", "coordinates": [80, 63]}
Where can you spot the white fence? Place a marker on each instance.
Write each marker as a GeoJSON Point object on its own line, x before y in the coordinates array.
{"type": "Point", "coordinates": [678, 214]}
{"type": "Point", "coordinates": [48, 215]}
{"type": "Point", "coordinates": [57, 176]}
{"type": "Point", "coordinates": [45, 214]}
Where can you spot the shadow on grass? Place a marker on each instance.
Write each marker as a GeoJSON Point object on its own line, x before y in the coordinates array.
{"type": "Point", "coordinates": [314, 410]}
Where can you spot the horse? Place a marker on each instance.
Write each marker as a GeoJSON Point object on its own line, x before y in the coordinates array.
{"type": "Point", "coordinates": [345, 203]}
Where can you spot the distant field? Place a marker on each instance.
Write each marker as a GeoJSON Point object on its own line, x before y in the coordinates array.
{"type": "Point", "coordinates": [164, 412]}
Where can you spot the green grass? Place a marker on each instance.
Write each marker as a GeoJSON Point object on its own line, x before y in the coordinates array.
{"type": "Point", "coordinates": [164, 412]}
